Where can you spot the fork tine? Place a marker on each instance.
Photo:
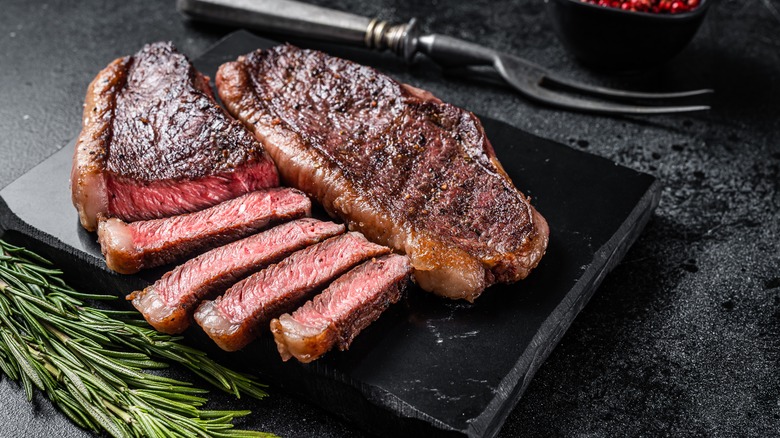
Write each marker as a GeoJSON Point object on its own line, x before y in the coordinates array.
{"type": "Point", "coordinates": [529, 83]}
{"type": "Point", "coordinates": [592, 106]}
{"type": "Point", "coordinates": [611, 92]}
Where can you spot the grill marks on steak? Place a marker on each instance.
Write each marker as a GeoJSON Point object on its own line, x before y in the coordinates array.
{"type": "Point", "coordinates": [155, 143]}
{"type": "Point", "coordinates": [169, 303]}
{"type": "Point", "coordinates": [397, 164]}
{"type": "Point", "coordinates": [234, 319]}
{"type": "Point", "coordinates": [128, 248]}
{"type": "Point", "coordinates": [343, 310]}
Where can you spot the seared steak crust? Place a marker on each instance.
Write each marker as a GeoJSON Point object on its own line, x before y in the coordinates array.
{"type": "Point", "coordinates": [343, 310]}
{"type": "Point", "coordinates": [394, 162]}
{"type": "Point", "coordinates": [154, 143]}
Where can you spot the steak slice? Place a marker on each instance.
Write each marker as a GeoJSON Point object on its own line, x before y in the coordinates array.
{"type": "Point", "coordinates": [169, 303]}
{"type": "Point", "coordinates": [155, 143]}
{"type": "Point", "coordinates": [393, 161]}
{"type": "Point", "coordinates": [128, 248]}
{"type": "Point", "coordinates": [236, 318]}
{"type": "Point", "coordinates": [343, 310]}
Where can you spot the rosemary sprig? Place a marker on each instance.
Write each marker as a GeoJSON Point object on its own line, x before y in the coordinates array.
{"type": "Point", "coordinates": [93, 363]}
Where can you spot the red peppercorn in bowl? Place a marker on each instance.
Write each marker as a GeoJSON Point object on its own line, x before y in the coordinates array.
{"type": "Point", "coordinates": [654, 6]}
{"type": "Point", "coordinates": [625, 35]}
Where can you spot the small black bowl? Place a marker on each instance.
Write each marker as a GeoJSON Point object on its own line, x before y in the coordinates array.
{"type": "Point", "coordinates": [612, 39]}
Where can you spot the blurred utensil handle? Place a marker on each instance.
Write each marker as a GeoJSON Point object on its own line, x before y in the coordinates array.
{"type": "Point", "coordinates": [292, 18]}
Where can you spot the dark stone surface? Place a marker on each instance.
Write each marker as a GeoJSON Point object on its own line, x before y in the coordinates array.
{"type": "Point", "coordinates": [683, 338]}
{"type": "Point", "coordinates": [429, 365]}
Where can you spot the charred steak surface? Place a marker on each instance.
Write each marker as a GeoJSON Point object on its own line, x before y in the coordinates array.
{"type": "Point", "coordinates": [396, 163]}
{"type": "Point", "coordinates": [154, 143]}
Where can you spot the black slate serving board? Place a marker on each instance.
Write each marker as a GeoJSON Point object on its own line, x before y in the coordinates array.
{"type": "Point", "coordinates": [429, 366]}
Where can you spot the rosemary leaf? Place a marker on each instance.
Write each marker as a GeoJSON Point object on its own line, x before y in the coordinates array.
{"type": "Point", "coordinates": [21, 251]}
{"type": "Point", "coordinates": [61, 352]}
{"type": "Point", "coordinates": [215, 414]}
{"type": "Point", "coordinates": [74, 378]}
{"type": "Point", "coordinates": [101, 417]}
{"type": "Point", "coordinates": [30, 314]}
{"type": "Point", "coordinates": [27, 295]}
{"type": "Point", "coordinates": [75, 417]}
{"type": "Point", "coordinates": [132, 355]}
{"type": "Point", "coordinates": [28, 270]}
{"type": "Point", "coordinates": [171, 407]}
{"type": "Point", "coordinates": [115, 313]}
{"type": "Point", "coordinates": [41, 270]}
{"type": "Point", "coordinates": [83, 296]}
{"type": "Point", "coordinates": [98, 384]}
{"type": "Point", "coordinates": [143, 421]}
{"type": "Point", "coordinates": [27, 384]}
{"type": "Point", "coordinates": [71, 408]}
{"type": "Point", "coordinates": [21, 276]}
{"type": "Point", "coordinates": [182, 397]}
{"type": "Point", "coordinates": [7, 367]}
{"type": "Point", "coordinates": [23, 360]}
{"type": "Point", "coordinates": [76, 330]}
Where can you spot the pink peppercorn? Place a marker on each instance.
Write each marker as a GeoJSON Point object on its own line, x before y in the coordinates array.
{"type": "Point", "coordinates": [655, 6]}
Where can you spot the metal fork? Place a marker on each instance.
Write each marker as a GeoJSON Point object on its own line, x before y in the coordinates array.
{"type": "Point", "coordinates": [288, 17]}
{"type": "Point", "coordinates": [533, 81]}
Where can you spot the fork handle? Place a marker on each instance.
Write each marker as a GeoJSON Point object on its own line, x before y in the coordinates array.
{"type": "Point", "coordinates": [292, 18]}
{"type": "Point", "coordinates": [453, 52]}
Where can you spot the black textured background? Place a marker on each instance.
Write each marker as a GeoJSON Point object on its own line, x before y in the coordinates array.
{"type": "Point", "coordinates": [683, 338]}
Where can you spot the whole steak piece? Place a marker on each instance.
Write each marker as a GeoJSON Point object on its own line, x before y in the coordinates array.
{"type": "Point", "coordinates": [397, 164]}
{"type": "Point", "coordinates": [154, 143]}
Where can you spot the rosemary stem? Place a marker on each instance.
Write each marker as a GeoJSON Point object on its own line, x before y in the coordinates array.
{"type": "Point", "coordinates": [93, 364]}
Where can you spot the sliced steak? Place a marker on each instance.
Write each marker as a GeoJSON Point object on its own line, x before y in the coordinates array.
{"type": "Point", "coordinates": [155, 143]}
{"type": "Point", "coordinates": [397, 164]}
{"type": "Point", "coordinates": [343, 310]}
{"type": "Point", "coordinates": [169, 303]}
{"type": "Point", "coordinates": [236, 318]}
{"type": "Point", "coordinates": [144, 244]}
